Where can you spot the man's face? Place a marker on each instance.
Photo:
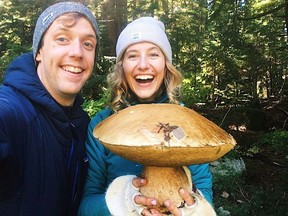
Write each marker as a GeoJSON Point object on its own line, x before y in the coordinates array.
{"type": "Point", "coordinates": [66, 59]}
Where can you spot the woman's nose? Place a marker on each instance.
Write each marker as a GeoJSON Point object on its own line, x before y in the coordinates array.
{"type": "Point", "coordinates": [143, 62]}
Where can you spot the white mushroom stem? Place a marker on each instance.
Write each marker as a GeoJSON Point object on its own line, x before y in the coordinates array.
{"type": "Point", "coordinates": [164, 183]}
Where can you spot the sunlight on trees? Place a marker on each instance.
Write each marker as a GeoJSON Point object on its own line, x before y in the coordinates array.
{"type": "Point", "coordinates": [241, 44]}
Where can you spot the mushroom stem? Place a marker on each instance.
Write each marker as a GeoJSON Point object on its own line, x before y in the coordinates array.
{"type": "Point", "coordinates": [164, 183]}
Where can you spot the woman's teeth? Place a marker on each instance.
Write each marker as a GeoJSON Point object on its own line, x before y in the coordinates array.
{"type": "Point", "coordinates": [144, 78]}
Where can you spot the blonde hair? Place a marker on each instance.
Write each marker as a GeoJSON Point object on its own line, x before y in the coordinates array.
{"type": "Point", "coordinates": [120, 94]}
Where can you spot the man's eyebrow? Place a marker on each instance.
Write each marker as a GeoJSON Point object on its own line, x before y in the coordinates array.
{"type": "Point", "coordinates": [66, 29]}
{"type": "Point", "coordinates": [91, 35]}
{"type": "Point", "coordinates": [61, 28]}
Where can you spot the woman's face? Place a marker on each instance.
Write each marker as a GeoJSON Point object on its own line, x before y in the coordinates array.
{"type": "Point", "coordinates": [144, 69]}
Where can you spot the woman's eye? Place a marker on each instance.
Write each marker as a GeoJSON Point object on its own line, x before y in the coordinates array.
{"type": "Point", "coordinates": [131, 56]}
{"type": "Point", "coordinates": [154, 54]}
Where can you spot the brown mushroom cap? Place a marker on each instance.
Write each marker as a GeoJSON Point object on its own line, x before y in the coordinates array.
{"type": "Point", "coordinates": [163, 135]}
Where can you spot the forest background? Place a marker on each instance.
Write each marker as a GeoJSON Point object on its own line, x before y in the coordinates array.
{"type": "Point", "coordinates": [233, 55]}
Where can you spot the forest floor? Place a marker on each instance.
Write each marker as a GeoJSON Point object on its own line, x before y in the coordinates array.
{"type": "Point", "coordinates": [263, 188]}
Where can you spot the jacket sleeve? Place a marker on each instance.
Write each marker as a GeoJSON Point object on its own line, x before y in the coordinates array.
{"type": "Point", "coordinates": [7, 167]}
{"type": "Point", "coordinates": [202, 180]}
{"type": "Point", "coordinates": [8, 172]}
{"type": "Point", "coordinates": [93, 200]}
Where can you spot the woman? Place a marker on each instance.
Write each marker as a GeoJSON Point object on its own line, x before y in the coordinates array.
{"type": "Point", "coordinates": [143, 74]}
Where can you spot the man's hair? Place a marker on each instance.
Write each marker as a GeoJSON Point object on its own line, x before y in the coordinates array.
{"type": "Point", "coordinates": [53, 12]}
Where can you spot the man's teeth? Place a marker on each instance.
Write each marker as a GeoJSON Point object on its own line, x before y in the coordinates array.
{"type": "Point", "coordinates": [72, 69]}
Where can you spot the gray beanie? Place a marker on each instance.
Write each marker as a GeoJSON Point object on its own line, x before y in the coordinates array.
{"type": "Point", "coordinates": [144, 29]}
{"type": "Point", "coordinates": [53, 12]}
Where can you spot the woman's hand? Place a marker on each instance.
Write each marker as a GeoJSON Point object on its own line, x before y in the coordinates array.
{"type": "Point", "coordinates": [148, 202]}
{"type": "Point", "coordinates": [195, 205]}
{"type": "Point", "coordinates": [189, 202]}
{"type": "Point", "coordinates": [151, 203]}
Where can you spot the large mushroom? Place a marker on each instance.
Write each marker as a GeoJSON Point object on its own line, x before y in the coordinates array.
{"type": "Point", "coordinates": [164, 138]}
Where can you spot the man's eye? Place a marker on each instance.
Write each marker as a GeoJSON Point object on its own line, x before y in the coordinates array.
{"type": "Point", "coordinates": [89, 45]}
{"type": "Point", "coordinates": [61, 39]}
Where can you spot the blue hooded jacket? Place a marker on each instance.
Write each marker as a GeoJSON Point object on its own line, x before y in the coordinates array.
{"type": "Point", "coordinates": [105, 166]}
{"type": "Point", "coordinates": [42, 153]}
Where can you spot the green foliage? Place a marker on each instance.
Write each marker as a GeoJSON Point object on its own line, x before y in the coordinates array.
{"type": "Point", "coordinates": [227, 178]}
{"type": "Point", "coordinates": [236, 194]}
{"type": "Point", "coordinates": [227, 172]}
{"type": "Point", "coordinates": [194, 93]}
{"type": "Point", "coordinates": [94, 106]}
{"type": "Point", "coordinates": [96, 86]}
{"type": "Point", "coordinates": [16, 30]}
{"type": "Point", "coordinates": [228, 50]}
{"type": "Point", "coordinates": [253, 200]}
{"type": "Point", "coordinates": [278, 140]}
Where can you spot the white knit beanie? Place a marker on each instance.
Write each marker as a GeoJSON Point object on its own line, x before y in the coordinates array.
{"type": "Point", "coordinates": [144, 29]}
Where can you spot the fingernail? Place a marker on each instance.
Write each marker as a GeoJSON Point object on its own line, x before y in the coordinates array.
{"type": "Point", "coordinates": [166, 203]}
{"type": "Point", "coordinates": [182, 191]}
{"type": "Point", "coordinates": [154, 202]}
{"type": "Point", "coordinates": [142, 181]}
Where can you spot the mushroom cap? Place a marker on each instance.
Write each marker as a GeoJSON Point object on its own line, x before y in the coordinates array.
{"type": "Point", "coordinates": [163, 135]}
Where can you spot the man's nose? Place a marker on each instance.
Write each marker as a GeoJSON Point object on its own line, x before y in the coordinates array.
{"type": "Point", "coordinates": [76, 49]}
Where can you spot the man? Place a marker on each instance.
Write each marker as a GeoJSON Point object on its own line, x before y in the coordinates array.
{"type": "Point", "coordinates": [42, 125]}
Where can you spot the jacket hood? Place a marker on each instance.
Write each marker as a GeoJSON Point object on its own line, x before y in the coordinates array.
{"type": "Point", "coordinates": [22, 76]}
